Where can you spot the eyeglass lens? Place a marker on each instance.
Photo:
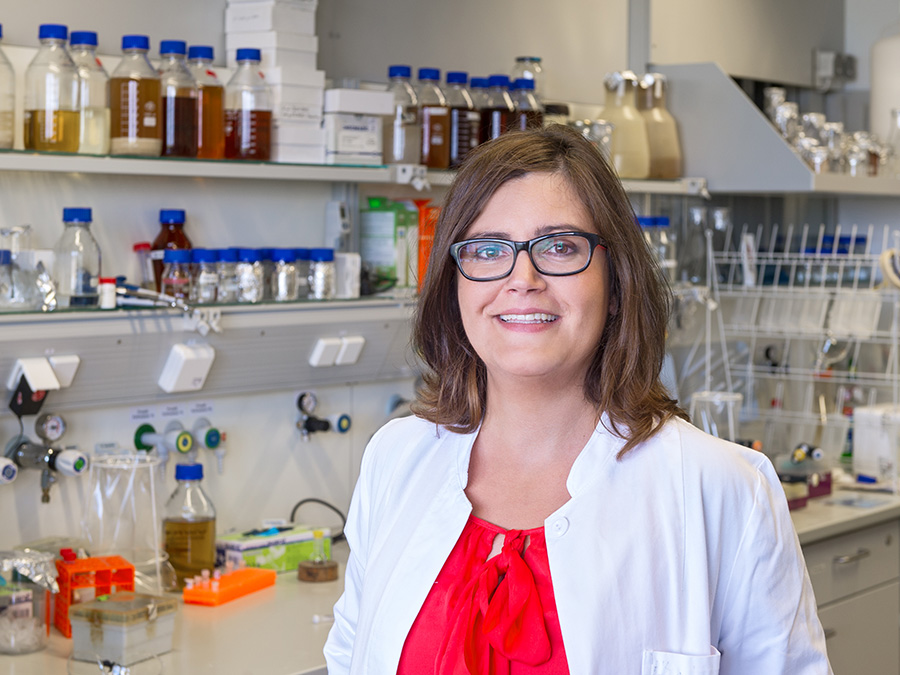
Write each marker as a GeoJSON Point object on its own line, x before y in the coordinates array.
{"type": "Point", "coordinates": [562, 254]}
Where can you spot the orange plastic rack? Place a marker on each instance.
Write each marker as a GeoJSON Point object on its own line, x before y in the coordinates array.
{"type": "Point", "coordinates": [229, 586]}
{"type": "Point", "coordinates": [105, 575]}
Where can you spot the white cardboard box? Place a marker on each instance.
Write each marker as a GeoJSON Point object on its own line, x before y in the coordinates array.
{"type": "Point", "coordinates": [290, 17]}
{"type": "Point", "coordinates": [276, 49]}
{"type": "Point", "coordinates": [288, 132]}
{"type": "Point", "coordinates": [352, 138]}
{"type": "Point", "coordinates": [359, 101]}
{"type": "Point", "coordinates": [297, 103]}
{"type": "Point", "coordinates": [306, 77]}
{"type": "Point", "coordinates": [288, 153]}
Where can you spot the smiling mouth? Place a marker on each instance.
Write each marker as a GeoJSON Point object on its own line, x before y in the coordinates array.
{"type": "Point", "coordinates": [528, 318]}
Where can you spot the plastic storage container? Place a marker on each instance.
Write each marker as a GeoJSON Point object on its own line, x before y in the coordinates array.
{"type": "Point", "coordinates": [7, 100]}
{"type": "Point", "coordinates": [210, 104]}
{"type": "Point", "coordinates": [402, 142]}
{"type": "Point", "coordinates": [93, 137]}
{"type": "Point", "coordinates": [630, 151]}
{"type": "Point", "coordinates": [248, 110]}
{"type": "Point", "coordinates": [76, 266]}
{"type": "Point", "coordinates": [662, 132]}
{"type": "Point", "coordinates": [435, 116]}
{"type": "Point", "coordinates": [465, 118]}
{"type": "Point", "coordinates": [178, 95]}
{"type": "Point", "coordinates": [189, 525]}
{"type": "Point", "coordinates": [134, 95]}
{"type": "Point", "coordinates": [52, 94]}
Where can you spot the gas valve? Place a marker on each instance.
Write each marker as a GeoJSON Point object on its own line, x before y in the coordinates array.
{"type": "Point", "coordinates": [310, 424]}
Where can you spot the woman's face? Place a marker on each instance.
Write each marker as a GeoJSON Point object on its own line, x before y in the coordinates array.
{"type": "Point", "coordinates": [528, 325]}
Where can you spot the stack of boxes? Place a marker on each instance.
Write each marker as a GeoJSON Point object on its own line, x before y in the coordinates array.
{"type": "Point", "coordinates": [284, 32]}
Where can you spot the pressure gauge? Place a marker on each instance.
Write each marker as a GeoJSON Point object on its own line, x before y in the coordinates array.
{"type": "Point", "coordinates": [50, 427]}
{"type": "Point", "coordinates": [307, 402]}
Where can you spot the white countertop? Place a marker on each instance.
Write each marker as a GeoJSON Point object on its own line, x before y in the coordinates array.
{"type": "Point", "coordinates": [271, 631]}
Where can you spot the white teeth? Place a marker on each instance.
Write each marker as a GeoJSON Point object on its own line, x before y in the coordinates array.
{"type": "Point", "coordinates": [528, 318]}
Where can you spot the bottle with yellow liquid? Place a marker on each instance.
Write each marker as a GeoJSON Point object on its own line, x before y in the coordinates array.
{"type": "Point", "coordinates": [189, 525]}
{"type": "Point", "coordinates": [52, 95]}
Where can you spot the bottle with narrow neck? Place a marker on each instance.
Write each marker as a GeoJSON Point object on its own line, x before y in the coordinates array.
{"type": "Point", "coordinates": [402, 138]}
{"type": "Point", "coordinates": [179, 101]}
{"type": "Point", "coordinates": [465, 118]}
{"type": "Point", "coordinates": [171, 236]}
{"type": "Point", "coordinates": [248, 110]}
{"type": "Point", "coordinates": [93, 138]}
{"type": "Point", "coordinates": [210, 103]}
{"type": "Point", "coordinates": [630, 149]}
{"type": "Point", "coordinates": [435, 116]}
{"type": "Point", "coordinates": [499, 115]}
{"type": "Point", "coordinates": [662, 132]}
{"type": "Point", "coordinates": [134, 96]}
{"type": "Point", "coordinates": [76, 266]}
{"type": "Point", "coordinates": [52, 94]}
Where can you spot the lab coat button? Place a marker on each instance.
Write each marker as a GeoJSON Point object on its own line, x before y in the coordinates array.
{"type": "Point", "coordinates": [560, 527]}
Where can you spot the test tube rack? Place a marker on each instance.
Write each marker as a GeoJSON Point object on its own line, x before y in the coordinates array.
{"type": "Point", "coordinates": [106, 574]}
{"type": "Point", "coordinates": [229, 586]}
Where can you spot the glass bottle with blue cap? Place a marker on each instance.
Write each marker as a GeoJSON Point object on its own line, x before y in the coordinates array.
{"type": "Point", "coordinates": [134, 103]}
{"type": "Point", "coordinates": [76, 267]}
{"type": "Point", "coordinates": [189, 525]}
{"type": "Point", "coordinates": [52, 94]}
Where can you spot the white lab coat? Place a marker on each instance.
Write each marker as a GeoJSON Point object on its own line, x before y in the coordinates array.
{"type": "Point", "coordinates": [680, 559]}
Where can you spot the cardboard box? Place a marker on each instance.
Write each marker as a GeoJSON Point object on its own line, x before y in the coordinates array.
{"type": "Point", "coordinates": [276, 49]}
{"type": "Point", "coordinates": [297, 103]}
{"type": "Point", "coordinates": [287, 132]}
{"type": "Point", "coordinates": [359, 101]}
{"type": "Point", "coordinates": [289, 17]}
{"type": "Point", "coordinates": [273, 549]}
{"type": "Point", "coordinates": [289, 153]}
{"type": "Point", "coordinates": [302, 77]}
{"type": "Point", "coordinates": [352, 139]}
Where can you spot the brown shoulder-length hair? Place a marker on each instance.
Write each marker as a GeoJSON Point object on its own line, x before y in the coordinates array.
{"type": "Point", "coordinates": [623, 377]}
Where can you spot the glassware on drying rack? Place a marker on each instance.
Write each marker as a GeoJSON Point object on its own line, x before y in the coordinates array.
{"type": "Point", "coordinates": [813, 125]}
{"type": "Point", "coordinates": [787, 120]}
{"type": "Point", "coordinates": [834, 139]}
{"type": "Point", "coordinates": [773, 97]}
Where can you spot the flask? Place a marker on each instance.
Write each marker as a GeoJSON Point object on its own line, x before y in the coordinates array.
{"type": "Point", "coordinates": [205, 276]}
{"type": "Point", "coordinates": [171, 236]}
{"type": "Point", "coordinates": [51, 94]}
{"type": "Point", "coordinates": [135, 123]}
{"type": "Point", "coordinates": [228, 280]}
{"type": "Point", "coordinates": [284, 275]}
{"type": "Point", "coordinates": [251, 276]}
{"type": "Point", "coordinates": [497, 116]}
{"type": "Point", "coordinates": [178, 97]}
{"type": "Point", "coordinates": [93, 136]}
{"type": "Point", "coordinates": [210, 104]}
{"type": "Point", "coordinates": [189, 525]}
{"type": "Point", "coordinates": [435, 116]}
{"type": "Point", "coordinates": [248, 110]}
{"type": "Point", "coordinates": [465, 119]}
{"type": "Point", "coordinates": [176, 274]}
{"type": "Point", "coordinates": [529, 68]}
{"type": "Point", "coordinates": [7, 99]}
{"type": "Point", "coordinates": [76, 266]}
{"type": "Point", "coordinates": [402, 133]}
{"type": "Point", "coordinates": [529, 111]}
{"type": "Point", "coordinates": [662, 132]}
{"type": "Point", "coordinates": [321, 274]}
{"type": "Point", "coordinates": [630, 150]}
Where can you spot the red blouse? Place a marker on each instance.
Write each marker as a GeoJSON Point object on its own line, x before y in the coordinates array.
{"type": "Point", "coordinates": [492, 616]}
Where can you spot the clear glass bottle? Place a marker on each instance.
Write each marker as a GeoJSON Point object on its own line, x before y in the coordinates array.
{"type": "Point", "coordinates": [265, 257]}
{"type": "Point", "coordinates": [135, 125]}
{"type": "Point", "coordinates": [529, 110]}
{"type": "Point", "coordinates": [284, 275]}
{"type": "Point", "coordinates": [478, 89]}
{"type": "Point", "coordinates": [630, 151]}
{"type": "Point", "coordinates": [251, 276]}
{"type": "Point", "coordinates": [692, 262]}
{"type": "Point", "coordinates": [321, 274]}
{"type": "Point", "coordinates": [498, 115]}
{"type": "Point", "coordinates": [7, 291]}
{"type": "Point", "coordinates": [52, 94]}
{"type": "Point", "coordinates": [76, 266]}
{"type": "Point", "coordinates": [205, 276]}
{"type": "Point", "coordinates": [229, 284]}
{"type": "Point", "coordinates": [662, 132]}
{"type": "Point", "coordinates": [7, 100]}
{"type": "Point", "coordinates": [171, 236]}
{"type": "Point", "coordinates": [179, 95]}
{"type": "Point", "coordinates": [435, 116]}
{"type": "Point", "coordinates": [93, 137]}
{"type": "Point", "coordinates": [402, 140]}
{"type": "Point", "coordinates": [529, 67]}
{"type": "Point", "coordinates": [302, 265]}
{"type": "Point", "coordinates": [176, 276]}
{"type": "Point", "coordinates": [465, 118]}
{"type": "Point", "coordinates": [248, 110]}
{"type": "Point", "coordinates": [211, 103]}
{"type": "Point", "coordinates": [189, 525]}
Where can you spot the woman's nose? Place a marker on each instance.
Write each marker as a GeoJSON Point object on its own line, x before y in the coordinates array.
{"type": "Point", "coordinates": [524, 273]}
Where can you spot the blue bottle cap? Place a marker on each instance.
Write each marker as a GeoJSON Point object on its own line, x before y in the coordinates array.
{"type": "Point", "coordinates": [167, 216]}
{"type": "Point", "coordinates": [457, 77]}
{"type": "Point", "coordinates": [188, 472]}
{"type": "Point", "coordinates": [646, 221]}
{"type": "Point", "coordinates": [53, 31]}
{"type": "Point", "coordinates": [177, 255]}
{"type": "Point", "coordinates": [284, 255]}
{"type": "Point", "coordinates": [265, 254]}
{"type": "Point", "coordinates": [172, 47]}
{"type": "Point", "coordinates": [248, 55]}
{"type": "Point", "coordinates": [524, 83]}
{"type": "Point", "coordinates": [83, 37]}
{"type": "Point", "coordinates": [200, 52]}
{"type": "Point", "coordinates": [321, 254]}
{"type": "Point", "coordinates": [430, 74]}
{"type": "Point", "coordinates": [399, 71]}
{"type": "Point", "coordinates": [227, 254]}
{"type": "Point", "coordinates": [662, 221]}
{"type": "Point", "coordinates": [203, 255]}
{"type": "Point", "coordinates": [1, 31]}
{"type": "Point", "coordinates": [302, 253]}
{"type": "Point", "coordinates": [480, 83]}
{"type": "Point", "coordinates": [76, 215]}
{"type": "Point", "coordinates": [5, 256]}
{"type": "Point", "coordinates": [250, 255]}
{"type": "Point", "coordinates": [135, 42]}
{"type": "Point", "coordinates": [498, 81]}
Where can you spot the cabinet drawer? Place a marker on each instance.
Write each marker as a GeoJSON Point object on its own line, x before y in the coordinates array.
{"type": "Point", "coordinates": [861, 632]}
{"type": "Point", "coordinates": [853, 562]}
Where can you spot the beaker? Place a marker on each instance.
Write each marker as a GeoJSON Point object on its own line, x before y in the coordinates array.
{"type": "Point", "coordinates": [716, 412]}
{"type": "Point", "coordinates": [123, 516]}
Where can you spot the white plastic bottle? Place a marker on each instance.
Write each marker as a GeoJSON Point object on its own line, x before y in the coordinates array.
{"type": "Point", "coordinates": [885, 84]}
{"type": "Point", "coordinates": [93, 138]}
{"type": "Point", "coordinates": [630, 151]}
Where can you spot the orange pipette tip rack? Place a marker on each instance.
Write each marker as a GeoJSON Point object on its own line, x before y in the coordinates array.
{"type": "Point", "coordinates": [229, 586]}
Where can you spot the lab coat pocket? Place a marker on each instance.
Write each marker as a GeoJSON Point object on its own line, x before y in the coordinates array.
{"type": "Point", "coordinates": [667, 663]}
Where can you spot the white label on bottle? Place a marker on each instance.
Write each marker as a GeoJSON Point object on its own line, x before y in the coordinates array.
{"type": "Point", "coordinates": [171, 410]}
{"type": "Point", "coordinates": [142, 414]}
{"type": "Point", "coordinates": [149, 120]}
{"type": "Point", "coordinates": [157, 255]}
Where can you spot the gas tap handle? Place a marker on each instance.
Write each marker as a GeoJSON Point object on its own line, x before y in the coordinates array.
{"type": "Point", "coordinates": [8, 471]}
{"type": "Point", "coordinates": [70, 462]}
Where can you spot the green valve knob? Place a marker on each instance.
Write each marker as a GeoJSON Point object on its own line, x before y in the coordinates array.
{"type": "Point", "coordinates": [184, 442]}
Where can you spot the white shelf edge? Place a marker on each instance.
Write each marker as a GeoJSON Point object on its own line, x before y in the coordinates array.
{"type": "Point", "coordinates": [679, 186]}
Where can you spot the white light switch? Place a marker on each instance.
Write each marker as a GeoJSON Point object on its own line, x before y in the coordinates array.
{"type": "Point", "coordinates": [350, 350]}
{"type": "Point", "coordinates": [325, 352]}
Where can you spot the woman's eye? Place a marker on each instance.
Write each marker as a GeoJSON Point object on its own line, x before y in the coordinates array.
{"type": "Point", "coordinates": [489, 252]}
{"type": "Point", "coordinates": [558, 248]}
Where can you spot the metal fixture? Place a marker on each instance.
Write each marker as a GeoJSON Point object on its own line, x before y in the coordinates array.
{"type": "Point", "coordinates": [310, 424]}
{"type": "Point", "coordinates": [210, 438]}
{"type": "Point", "coordinates": [175, 438]}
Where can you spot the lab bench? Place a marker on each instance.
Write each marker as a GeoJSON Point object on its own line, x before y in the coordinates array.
{"type": "Point", "coordinates": [851, 553]}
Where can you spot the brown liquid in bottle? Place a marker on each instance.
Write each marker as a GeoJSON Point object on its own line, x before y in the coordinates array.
{"type": "Point", "coordinates": [171, 236]}
{"type": "Point", "coordinates": [134, 120]}
{"type": "Point", "coordinates": [191, 545]}
{"type": "Point", "coordinates": [248, 134]}
{"type": "Point", "coordinates": [495, 121]}
{"type": "Point", "coordinates": [179, 115]}
{"type": "Point", "coordinates": [465, 133]}
{"type": "Point", "coordinates": [436, 137]}
{"type": "Point", "coordinates": [211, 116]}
{"type": "Point", "coordinates": [56, 131]}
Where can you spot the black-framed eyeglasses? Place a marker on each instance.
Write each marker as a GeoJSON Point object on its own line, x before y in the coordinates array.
{"type": "Point", "coordinates": [556, 255]}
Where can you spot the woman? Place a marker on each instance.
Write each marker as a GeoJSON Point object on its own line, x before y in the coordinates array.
{"type": "Point", "coordinates": [549, 510]}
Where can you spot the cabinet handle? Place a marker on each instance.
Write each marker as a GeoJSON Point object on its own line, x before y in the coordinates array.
{"type": "Point", "coordinates": [853, 557]}
{"type": "Point", "coordinates": [830, 633]}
